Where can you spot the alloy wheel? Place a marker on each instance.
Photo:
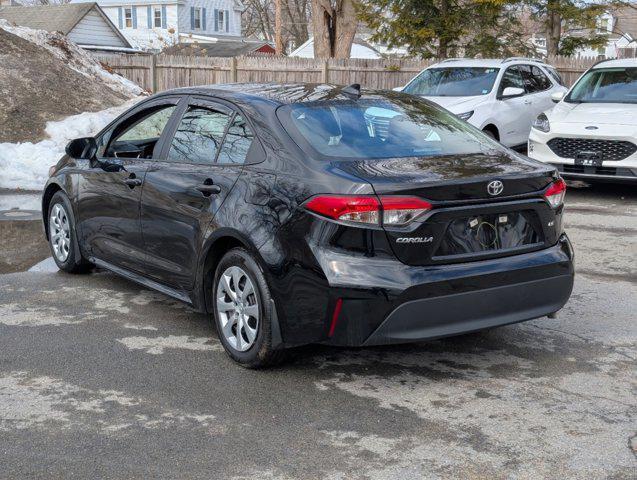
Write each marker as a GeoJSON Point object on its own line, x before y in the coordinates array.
{"type": "Point", "coordinates": [238, 308]}
{"type": "Point", "coordinates": [60, 232]}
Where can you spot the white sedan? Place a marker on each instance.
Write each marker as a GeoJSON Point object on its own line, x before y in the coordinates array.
{"type": "Point", "coordinates": [592, 132]}
{"type": "Point", "coordinates": [500, 97]}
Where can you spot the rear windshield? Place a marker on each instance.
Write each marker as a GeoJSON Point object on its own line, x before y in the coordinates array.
{"type": "Point", "coordinates": [453, 82]}
{"type": "Point", "coordinates": [384, 127]}
{"type": "Point", "coordinates": [606, 85]}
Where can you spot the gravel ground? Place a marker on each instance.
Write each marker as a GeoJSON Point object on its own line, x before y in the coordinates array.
{"type": "Point", "coordinates": [100, 378]}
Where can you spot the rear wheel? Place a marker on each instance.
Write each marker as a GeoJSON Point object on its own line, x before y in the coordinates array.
{"type": "Point", "coordinates": [242, 307]}
{"type": "Point", "coordinates": [62, 237]}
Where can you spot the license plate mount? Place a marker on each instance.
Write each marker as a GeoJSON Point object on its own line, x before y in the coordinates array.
{"type": "Point", "coordinates": [589, 159]}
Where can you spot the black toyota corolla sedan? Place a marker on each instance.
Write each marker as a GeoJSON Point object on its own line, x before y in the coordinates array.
{"type": "Point", "coordinates": [298, 214]}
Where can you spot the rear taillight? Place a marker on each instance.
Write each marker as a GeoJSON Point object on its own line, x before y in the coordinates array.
{"type": "Point", "coordinates": [369, 209]}
{"type": "Point", "coordinates": [555, 193]}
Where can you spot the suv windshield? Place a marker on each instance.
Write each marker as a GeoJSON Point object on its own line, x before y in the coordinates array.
{"type": "Point", "coordinates": [606, 85]}
{"type": "Point", "coordinates": [453, 82]}
{"type": "Point", "coordinates": [384, 127]}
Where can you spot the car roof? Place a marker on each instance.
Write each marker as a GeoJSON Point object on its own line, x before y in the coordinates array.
{"type": "Point", "coordinates": [486, 62]}
{"type": "Point", "coordinates": [274, 93]}
{"type": "Point", "coordinates": [620, 62]}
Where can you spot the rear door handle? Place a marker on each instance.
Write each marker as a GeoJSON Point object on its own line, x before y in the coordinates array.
{"type": "Point", "coordinates": [133, 182]}
{"type": "Point", "coordinates": [208, 190]}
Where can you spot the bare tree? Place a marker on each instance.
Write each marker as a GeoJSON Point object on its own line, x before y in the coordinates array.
{"type": "Point", "coordinates": [334, 24]}
{"type": "Point", "coordinates": [258, 20]}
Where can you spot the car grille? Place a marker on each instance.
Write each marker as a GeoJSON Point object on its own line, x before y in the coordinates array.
{"type": "Point", "coordinates": [610, 149]}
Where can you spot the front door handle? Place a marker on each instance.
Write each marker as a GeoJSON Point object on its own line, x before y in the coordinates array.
{"type": "Point", "coordinates": [208, 189]}
{"type": "Point", "coordinates": [133, 182]}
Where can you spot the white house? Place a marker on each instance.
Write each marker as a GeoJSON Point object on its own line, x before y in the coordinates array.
{"type": "Point", "coordinates": [360, 49]}
{"type": "Point", "coordinates": [155, 24]}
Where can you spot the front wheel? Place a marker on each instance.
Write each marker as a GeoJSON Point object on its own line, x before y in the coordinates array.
{"type": "Point", "coordinates": [62, 237]}
{"type": "Point", "coordinates": [242, 307]}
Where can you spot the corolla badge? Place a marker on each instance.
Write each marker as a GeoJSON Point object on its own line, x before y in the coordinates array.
{"type": "Point", "coordinates": [414, 239]}
{"type": "Point", "coordinates": [495, 187]}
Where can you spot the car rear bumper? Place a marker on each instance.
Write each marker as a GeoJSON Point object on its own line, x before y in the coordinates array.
{"type": "Point", "coordinates": [450, 300]}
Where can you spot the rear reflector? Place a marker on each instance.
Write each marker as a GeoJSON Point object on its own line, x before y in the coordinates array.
{"type": "Point", "coordinates": [555, 193]}
{"type": "Point", "coordinates": [369, 209]}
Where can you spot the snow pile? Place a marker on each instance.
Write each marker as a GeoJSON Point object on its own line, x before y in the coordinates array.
{"type": "Point", "coordinates": [74, 57]}
{"type": "Point", "coordinates": [26, 165]}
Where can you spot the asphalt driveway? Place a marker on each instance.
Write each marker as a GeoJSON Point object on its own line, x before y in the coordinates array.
{"type": "Point", "coordinates": [100, 378]}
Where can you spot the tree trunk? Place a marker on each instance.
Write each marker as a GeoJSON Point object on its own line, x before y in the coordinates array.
{"type": "Point", "coordinates": [553, 31]}
{"type": "Point", "coordinates": [334, 25]}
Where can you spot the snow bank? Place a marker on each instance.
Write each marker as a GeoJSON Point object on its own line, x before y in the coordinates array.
{"type": "Point", "coordinates": [26, 165]}
{"type": "Point", "coordinates": [75, 57]}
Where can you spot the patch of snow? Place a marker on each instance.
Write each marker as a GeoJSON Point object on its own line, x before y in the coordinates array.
{"type": "Point", "coordinates": [75, 57]}
{"type": "Point", "coordinates": [157, 345]}
{"type": "Point", "coordinates": [45, 266]}
{"type": "Point", "coordinates": [26, 165]}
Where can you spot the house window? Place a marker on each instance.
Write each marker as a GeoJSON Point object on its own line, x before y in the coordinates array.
{"type": "Point", "coordinates": [221, 20]}
{"type": "Point", "coordinates": [197, 18]}
{"type": "Point", "coordinates": [603, 25]}
{"type": "Point", "coordinates": [128, 17]}
{"type": "Point", "coordinates": [157, 17]}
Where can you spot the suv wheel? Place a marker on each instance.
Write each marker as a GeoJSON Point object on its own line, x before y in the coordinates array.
{"type": "Point", "coordinates": [242, 310]}
{"type": "Point", "coordinates": [62, 237]}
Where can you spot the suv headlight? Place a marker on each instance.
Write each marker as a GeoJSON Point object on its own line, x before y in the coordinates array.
{"type": "Point", "coordinates": [541, 123]}
{"type": "Point", "coordinates": [465, 116]}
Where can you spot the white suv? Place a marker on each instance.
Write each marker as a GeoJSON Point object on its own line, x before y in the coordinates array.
{"type": "Point", "coordinates": [500, 97]}
{"type": "Point", "coordinates": [592, 131]}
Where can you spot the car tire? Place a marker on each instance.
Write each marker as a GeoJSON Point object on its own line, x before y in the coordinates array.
{"type": "Point", "coordinates": [242, 307]}
{"type": "Point", "coordinates": [63, 238]}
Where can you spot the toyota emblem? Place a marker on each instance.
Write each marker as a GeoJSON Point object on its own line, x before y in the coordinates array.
{"type": "Point", "coordinates": [495, 187]}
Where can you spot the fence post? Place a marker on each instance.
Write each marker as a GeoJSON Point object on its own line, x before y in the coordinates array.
{"type": "Point", "coordinates": [233, 69]}
{"type": "Point", "coordinates": [153, 73]}
{"type": "Point", "coordinates": [325, 72]}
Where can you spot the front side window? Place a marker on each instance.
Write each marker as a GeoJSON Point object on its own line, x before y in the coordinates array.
{"type": "Point", "coordinates": [606, 85]}
{"type": "Point", "coordinates": [198, 136]}
{"type": "Point", "coordinates": [453, 82]}
{"type": "Point", "coordinates": [534, 79]}
{"type": "Point", "coordinates": [556, 75]}
{"type": "Point", "coordinates": [512, 78]}
{"type": "Point", "coordinates": [128, 17]}
{"type": "Point", "coordinates": [237, 142]}
{"type": "Point", "coordinates": [382, 127]}
{"type": "Point", "coordinates": [157, 17]}
{"type": "Point", "coordinates": [197, 18]}
{"type": "Point", "coordinates": [136, 138]}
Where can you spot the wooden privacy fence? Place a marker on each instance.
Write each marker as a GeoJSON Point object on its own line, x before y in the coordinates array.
{"type": "Point", "coordinates": [162, 72]}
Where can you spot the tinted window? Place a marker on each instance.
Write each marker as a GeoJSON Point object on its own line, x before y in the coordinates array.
{"type": "Point", "coordinates": [382, 128]}
{"type": "Point", "coordinates": [511, 78]}
{"type": "Point", "coordinates": [139, 135]}
{"type": "Point", "coordinates": [237, 142]}
{"type": "Point", "coordinates": [453, 82]}
{"type": "Point", "coordinates": [556, 75]}
{"type": "Point", "coordinates": [534, 79]}
{"type": "Point", "coordinates": [198, 136]}
{"type": "Point", "coordinates": [606, 85]}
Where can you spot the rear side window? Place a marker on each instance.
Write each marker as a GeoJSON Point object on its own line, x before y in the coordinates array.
{"type": "Point", "coordinates": [199, 136]}
{"type": "Point", "coordinates": [237, 142]}
{"type": "Point", "coordinates": [556, 75]}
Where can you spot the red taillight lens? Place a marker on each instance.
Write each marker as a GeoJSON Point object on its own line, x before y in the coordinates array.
{"type": "Point", "coordinates": [402, 210]}
{"type": "Point", "coordinates": [555, 193]}
{"type": "Point", "coordinates": [368, 209]}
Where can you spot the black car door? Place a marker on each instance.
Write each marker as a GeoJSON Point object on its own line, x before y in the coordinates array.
{"type": "Point", "coordinates": [110, 187]}
{"type": "Point", "coordinates": [184, 189]}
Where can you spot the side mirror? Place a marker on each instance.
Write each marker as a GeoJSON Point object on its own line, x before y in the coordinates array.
{"type": "Point", "coordinates": [557, 97]}
{"type": "Point", "coordinates": [398, 89]}
{"type": "Point", "coordinates": [82, 148]}
{"type": "Point", "coordinates": [509, 92]}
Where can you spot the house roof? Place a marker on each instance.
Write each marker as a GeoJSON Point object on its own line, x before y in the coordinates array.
{"type": "Point", "coordinates": [626, 21]}
{"type": "Point", "coordinates": [365, 49]}
{"type": "Point", "coordinates": [54, 18]}
{"type": "Point", "coordinates": [219, 48]}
